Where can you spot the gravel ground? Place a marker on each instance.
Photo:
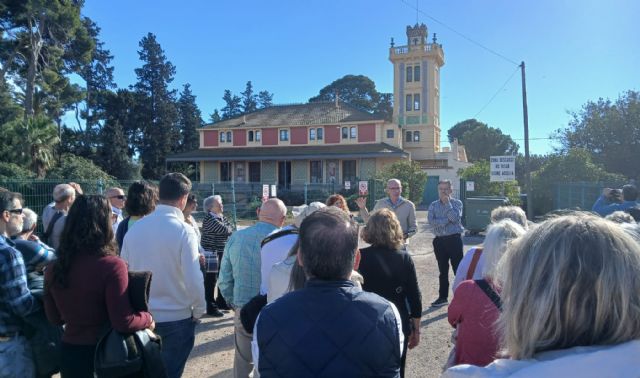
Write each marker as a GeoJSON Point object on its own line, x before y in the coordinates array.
{"type": "Point", "coordinates": [212, 355]}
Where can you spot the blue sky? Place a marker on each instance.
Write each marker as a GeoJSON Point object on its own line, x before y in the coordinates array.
{"type": "Point", "coordinates": [574, 51]}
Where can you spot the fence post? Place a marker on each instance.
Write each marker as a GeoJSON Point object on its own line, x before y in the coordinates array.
{"type": "Point", "coordinates": [100, 186]}
{"type": "Point", "coordinates": [233, 200]}
{"type": "Point", "coordinates": [305, 194]}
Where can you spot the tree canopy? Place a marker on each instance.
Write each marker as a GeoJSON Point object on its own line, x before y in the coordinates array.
{"type": "Point", "coordinates": [358, 91]}
{"type": "Point", "coordinates": [482, 141]}
{"type": "Point", "coordinates": [411, 175]}
{"type": "Point", "coordinates": [610, 131]}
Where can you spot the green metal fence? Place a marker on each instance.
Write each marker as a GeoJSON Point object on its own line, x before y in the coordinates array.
{"type": "Point", "coordinates": [240, 199]}
{"type": "Point", "coordinates": [579, 195]}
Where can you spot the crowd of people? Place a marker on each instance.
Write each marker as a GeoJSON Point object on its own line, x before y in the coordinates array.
{"type": "Point", "coordinates": [555, 298]}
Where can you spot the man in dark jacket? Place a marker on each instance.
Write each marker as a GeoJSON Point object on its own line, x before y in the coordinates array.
{"type": "Point", "coordinates": [330, 327]}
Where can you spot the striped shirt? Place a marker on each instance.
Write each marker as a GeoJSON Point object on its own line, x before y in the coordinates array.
{"type": "Point", "coordinates": [216, 229]}
{"type": "Point", "coordinates": [445, 219]}
{"type": "Point", "coordinates": [16, 300]}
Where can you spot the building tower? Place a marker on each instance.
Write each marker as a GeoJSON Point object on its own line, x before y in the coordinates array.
{"type": "Point", "coordinates": [416, 92]}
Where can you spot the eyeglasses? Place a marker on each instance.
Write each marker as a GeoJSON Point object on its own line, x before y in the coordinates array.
{"type": "Point", "coordinates": [120, 196]}
{"type": "Point", "coordinates": [15, 211]}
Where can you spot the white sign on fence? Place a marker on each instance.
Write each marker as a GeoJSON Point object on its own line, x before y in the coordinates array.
{"type": "Point", "coordinates": [470, 186]}
{"type": "Point", "coordinates": [265, 192]}
{"type": "Point", "coordinates": [273, 191]}
{"type": "Point", "coordinates": [363, 188]}
{"type": "Point", "coordinates": [502, 168]}
{"type": "Point", "coordinates": [347, 185]}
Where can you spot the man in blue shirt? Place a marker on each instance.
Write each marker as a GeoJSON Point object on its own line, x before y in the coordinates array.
{"type": "Point", "coordinates": [445, 216]}
{"type": "Point", "coordinates": [16, 301]}
{"type": "Point", "coordinates": [239, 279]}
{"type": "Point", "coordinates": [604, 206]}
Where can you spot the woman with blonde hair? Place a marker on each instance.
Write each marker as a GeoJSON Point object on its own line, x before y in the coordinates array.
{"type": "Point", "coordinates": [388, 271]}
{"type": "Point", "coordinates": [476, 303]}
{"type": "Point", "coordinates": [571, 302]}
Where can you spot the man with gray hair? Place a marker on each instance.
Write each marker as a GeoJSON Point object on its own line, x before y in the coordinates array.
{"type": "Point", "coordinates": [240, 278]}
{"type": "Point", "coordinates": [54, 215]}
{"type": "Point", "coordinates": [404, 209]}
{"type": "Point", "coordinates": [35, 253]}
{"type": "Point", "coordinates": [353, 333]}
{"type": "Point", "coordinates": [216, 229]}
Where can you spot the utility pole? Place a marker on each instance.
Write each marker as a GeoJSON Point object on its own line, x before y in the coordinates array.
{"type": "Point", "coordinates": [527, 168]}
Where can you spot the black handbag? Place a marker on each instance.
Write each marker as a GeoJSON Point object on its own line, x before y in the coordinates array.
{"type": "Point", "coordinates": [138, 353]}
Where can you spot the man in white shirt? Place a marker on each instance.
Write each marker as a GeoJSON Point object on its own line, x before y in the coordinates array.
{"type": "Point", "coordinates": [168, 247]}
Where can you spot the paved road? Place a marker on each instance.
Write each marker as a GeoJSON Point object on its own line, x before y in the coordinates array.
{"type": "Point", "coordinates": [212, 355]}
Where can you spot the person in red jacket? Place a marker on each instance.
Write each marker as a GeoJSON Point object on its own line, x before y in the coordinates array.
{"type": "Point", "coordinates": [86, 287]}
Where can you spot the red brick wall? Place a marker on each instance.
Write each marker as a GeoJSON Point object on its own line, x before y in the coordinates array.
{"type": "Point", "coordinates": [367, 133]}
{"type": "Point", "coordinates": [332, 134]}
{"type": "Point", "coordinates": [299, 135]}
{"type": "Point", "coordinates": [270, 137]}
{"type": "Point", "coordinates": [239, 137]}
{"type": "Point", "coordinates": [210, 138]}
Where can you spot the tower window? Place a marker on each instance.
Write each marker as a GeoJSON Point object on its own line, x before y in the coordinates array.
{"type": "Point", "coordinates": [416, 73]}
{"type": "Point", "coordinates": [409, 74]}
{"type": "Point", "coordinates": [416, 102]}
{"type": "Point", "coordinates": [408, 103]}
{"type": "Point", "coordinates": [408, 136]}
{"type": "Point", "coordinates": [416, 136]}
{"type": "Point", "coordinates": [390, 133]}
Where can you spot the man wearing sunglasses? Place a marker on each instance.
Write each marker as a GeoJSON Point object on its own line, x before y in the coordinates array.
{"type": "Point", "coordinates": [16, 301]}
{"type": "Point", "coordinates": [116, 199]}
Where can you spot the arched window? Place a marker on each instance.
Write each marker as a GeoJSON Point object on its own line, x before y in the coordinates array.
{"type": "Point", "coordinates": [312, 134]}
{"type": "Point", "coordinates": [416, 136]}
{"type": "Point", "coordinates": [250, 135]}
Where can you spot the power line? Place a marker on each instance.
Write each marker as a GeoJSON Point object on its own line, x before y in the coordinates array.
{"type": "Point", "coordinates": [497, 92]}
{"type": "Point", "coordinates": [461, 35]}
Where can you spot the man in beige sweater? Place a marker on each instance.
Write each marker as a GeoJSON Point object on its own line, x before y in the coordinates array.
{"type": "Point", "coordinates": [404, 209]}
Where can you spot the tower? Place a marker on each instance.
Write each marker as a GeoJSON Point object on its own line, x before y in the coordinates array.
{"type": "Point", "coordinates": [416, 92]}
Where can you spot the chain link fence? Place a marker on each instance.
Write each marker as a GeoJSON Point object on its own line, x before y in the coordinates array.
{"type": "Point", "coordinates": [240, 199]}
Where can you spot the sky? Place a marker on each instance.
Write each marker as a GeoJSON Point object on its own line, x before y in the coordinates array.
{"type": "Point", "coordinates": [574, 51]}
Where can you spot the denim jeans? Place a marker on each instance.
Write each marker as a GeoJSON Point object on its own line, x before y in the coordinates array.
{"type": "Point", "coordinates": [178, 338]}
{"type": "Point", "coordinates": [16, 358]}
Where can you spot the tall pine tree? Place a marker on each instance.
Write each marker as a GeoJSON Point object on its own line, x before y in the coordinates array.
{"type": "Point", "coordinates": [249, 103]}
{"type": "Point", "coordinates": [189, 120]}
{"type": "Point", "coordinates": [159, 116]}
{"type": "Point", "coordinates": [232, 107]}
{"type": "Point", "coordinates": [115, 152]}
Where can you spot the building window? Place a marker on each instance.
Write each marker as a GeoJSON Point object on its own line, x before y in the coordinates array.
{"type": "Point", "coordinates": [416, 136]}
{"type": "Point", "coordinates": [416, 102]}
{"type": "Point", "coordinates": [416, 73]}
{"type": "Point", "coordinates": [349, 170]}
{"type": "Point", "coordinates": [228, 136]}
{"type": "Point", "coordinates": [390, 133]}
{"type": "Point", "coordinates": [345, 133]}
{"type": "Point", "coordinates": [353, 132]}
{"type": "Point", "coordinates": [258, 135]}
{"type": "Point", "coordinates": [315, 170]}
{"type": "Point", "coordinates": [408, 137]}
{"type": "Point", "coordinates": [239, 172]}
{"type": "Point", "coordinates": [409, 74]}
{"type": "Point", "coordinates": [250, 135]}
{"type": "Point", "coordinates": [408, 103]}
{"type": "Point", "coordinates": [225, 171]}
{"type": "Point", "coordinates": [284, 135]}
{"type": "Point", "coordinates": [312, 134]}
{"type": "Point", "coordinates": [320, 133]}
{"type": "Point", "coordinates": [223, 137]}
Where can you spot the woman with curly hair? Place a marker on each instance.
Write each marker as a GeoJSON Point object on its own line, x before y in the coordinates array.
{"type": "Point", "coordinates": [338, 201]}
{"type": "Point", "coordinates": [388, 271]}
{"type": "Point", "coordinates": [86, 288]}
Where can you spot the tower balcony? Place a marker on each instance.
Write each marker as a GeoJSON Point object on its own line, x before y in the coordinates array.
{"type": "Point", "coordinates": [411, 51]}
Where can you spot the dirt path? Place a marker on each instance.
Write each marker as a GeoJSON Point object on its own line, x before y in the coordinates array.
{"type": "Point", "coordinates": [212, 355]}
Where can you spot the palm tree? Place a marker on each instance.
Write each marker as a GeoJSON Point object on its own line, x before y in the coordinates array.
{"type": "Point", "coordinates": [33, 141]}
